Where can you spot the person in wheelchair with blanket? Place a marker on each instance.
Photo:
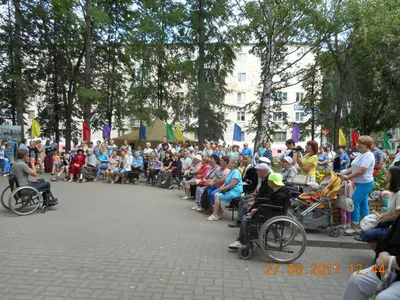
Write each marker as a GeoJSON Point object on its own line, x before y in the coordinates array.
{"type": "Point", "coordinates": [21, 171]}
{"type": "Point", "coordinates": [279, 196]}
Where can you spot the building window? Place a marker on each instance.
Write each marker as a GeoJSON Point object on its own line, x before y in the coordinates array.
{"type": "Point", "coordinates": [393, 146]}
{"type": "Point", "coordinates": [241, 97]}
{"type": "Point", "coordinates": [282, 96]}
{"type": "Point", "coordinates": [242, 57]}
{"type": "Point", "coordinates": [279, 136]}
{"type": "Point", "coordinates": [31, 114]}
{"type": "Point", "coordinates": [242, 77]}
{"type": "Point", "coordinates": [299, 117]}
{"type": "Point", "coordinates": [299, 97]}
{"type": "Point", "coordinates": [180, 95]}
{"type": "Point", "coordinates": [243, 136]}
{"type": "Point", "coordinates": [277, 117]}
{"type": "Point", "coordinates": [241, 116]}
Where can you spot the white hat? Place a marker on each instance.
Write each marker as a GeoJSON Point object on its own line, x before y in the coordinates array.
{"type": "Point", "coordinates": [288, 159]}
{"type": "Point", "coordinates": [198, 157]}
{"type": "Point", "coordinates": [246, 143]}
{"type": "Point", "coordinates": [265, 160]}
{"type": "Point", "coordinates": [262, 167]}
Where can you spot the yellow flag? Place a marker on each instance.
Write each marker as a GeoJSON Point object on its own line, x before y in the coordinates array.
{"type": "Point", "coordinates": [342, 139]}
{"type": "Point", "coordinates": [35, 128]}
{"type": "Point", "coordinates": [178, 133]}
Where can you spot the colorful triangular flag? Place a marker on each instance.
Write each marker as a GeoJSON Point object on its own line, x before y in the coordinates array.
{"type": "Point", "coordinates": [35, 132]}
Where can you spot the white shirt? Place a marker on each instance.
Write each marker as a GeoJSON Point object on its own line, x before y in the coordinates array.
{"type": "Point", "coordinates": [186, 162]}
{"type": "Point", "coordinates": [160, 146]}
{"type": "Point", "coordinates": [394, 204]}
{"type": "Point", "coordinates": [147, 151]}
{"type": "Point", "coordinates": [396, 159]}
{"type": "Point", "coordinates": [366, 160]}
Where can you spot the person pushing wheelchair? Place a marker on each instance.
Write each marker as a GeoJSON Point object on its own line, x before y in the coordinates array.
{"type": "Point", "coordinates": [280, 196]}
{"type": "Point", "coordinates": [22, 171]}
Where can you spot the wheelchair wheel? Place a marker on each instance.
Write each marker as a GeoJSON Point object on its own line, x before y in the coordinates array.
{"type": "Point", "coordinates": [279, 246]}
{"type": "Point", "coordinates": [25, 200]}
{"type": "Point", "coordinates": [5, 196]}
{"type": "Point", "coordinates": [245, 252]}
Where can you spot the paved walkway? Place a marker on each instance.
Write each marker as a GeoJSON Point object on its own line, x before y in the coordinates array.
{"type": "Point", "coordinates": [137, 242]}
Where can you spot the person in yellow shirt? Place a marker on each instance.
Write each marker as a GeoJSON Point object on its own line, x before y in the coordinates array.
{"type": "Point", "coordinates": [308, 164]}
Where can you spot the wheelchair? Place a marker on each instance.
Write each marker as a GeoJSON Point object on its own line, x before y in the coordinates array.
{"type": "Point", "coordinates": [280, 237]}
{"type": "Point", "coordinates": [23, 200]}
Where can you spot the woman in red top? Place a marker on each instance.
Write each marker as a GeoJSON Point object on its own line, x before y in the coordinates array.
{"type": "Point", "coordinates": [77, 162]}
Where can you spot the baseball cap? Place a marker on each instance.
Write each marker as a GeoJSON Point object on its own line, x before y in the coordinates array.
{"type": "Point", "coordinates": [262, 167]}
{"type": "Point", "coordinates": [276, 178]}
{"type": "Point", "coordinates": [265, 160]}
{"type": "Point", "coordinates": [198, 157]}
{"type": "Point", "coordinates": [288, 159]}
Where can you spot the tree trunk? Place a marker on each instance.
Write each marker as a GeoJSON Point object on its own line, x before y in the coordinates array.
{"type": "Point", "coordinates": [88, 66]}
{"type": "Point", "coordinates": [201, 74]}
{"type": "Point", "coordinates": [13, 108]}
{"type": "Point", "coordinates": [68, 120]}
{"type": "Point", "coordinates": [19, 94]}
{"type": "Point", "coordinates": [339, 105]}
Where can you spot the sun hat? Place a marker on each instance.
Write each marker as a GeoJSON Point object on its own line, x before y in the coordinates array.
{"type": "Point", "coordinates": [288, 159]}
{"type": "Point", "coordinates": [276, 178]}
{"type": "Point", "coordinates": [265, 160]}
{"type": "Point", "coordinates": [198, 157]}
{"type": "Point", "coordinates": [262, 167]}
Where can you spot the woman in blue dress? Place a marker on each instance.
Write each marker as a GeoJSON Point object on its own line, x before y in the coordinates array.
{"type": "Point", "coordinates": [232, 188]}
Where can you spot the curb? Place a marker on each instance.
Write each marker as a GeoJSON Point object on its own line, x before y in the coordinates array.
{"type": "Point", "coordinates": [338, 244]}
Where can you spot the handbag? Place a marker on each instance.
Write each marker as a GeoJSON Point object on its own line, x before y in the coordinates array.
{"type": "Point", "coordinates": [345, 203]}
{"type": "Point", "coordinates": [300, 179]}
{"type": "Point", "coordinates": [369, 222]}
{"type": "Point", "coordinates": [387, 279]}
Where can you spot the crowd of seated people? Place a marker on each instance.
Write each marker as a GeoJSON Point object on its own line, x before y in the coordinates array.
{"type": "Point", "coordinates": [212, 175]}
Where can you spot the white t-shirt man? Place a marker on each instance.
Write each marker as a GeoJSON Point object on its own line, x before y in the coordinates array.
{"type": "Point", "coordinates": [366, 160]}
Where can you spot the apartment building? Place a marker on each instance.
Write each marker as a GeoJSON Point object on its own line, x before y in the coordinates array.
{"type": "Point", "coordinates": [245, 84]}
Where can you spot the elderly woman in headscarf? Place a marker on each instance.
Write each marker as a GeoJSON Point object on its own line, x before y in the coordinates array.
{"type": "Point", "coordinates": [88, 170]}
{"type": "Point", "coordinates": [193, 172]}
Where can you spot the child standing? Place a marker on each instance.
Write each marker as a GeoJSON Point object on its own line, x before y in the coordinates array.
{"type": "Point", "coordinates": [56, 163]}
{"type": "Point", "coordinates": [7, 161]}
{"type": "Point", "coordinates": [154, 168]}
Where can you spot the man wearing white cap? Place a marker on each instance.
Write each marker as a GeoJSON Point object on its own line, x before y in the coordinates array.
{"type": "Point", "coordinates": [288, 170]}
{"type": "Point", "coordinates": [262, 190]}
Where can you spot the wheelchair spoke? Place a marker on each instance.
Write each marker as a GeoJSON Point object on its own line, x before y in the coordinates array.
{"type": "Point", "coordinates": [282, 239]}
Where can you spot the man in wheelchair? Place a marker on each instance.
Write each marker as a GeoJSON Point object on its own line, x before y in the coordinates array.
{"type": "Point", "coordinates": [279, 197]}
{"type": "Point", "coordinates": [21, 171]}
{"type": "Point", "coordinates": [262, 191]}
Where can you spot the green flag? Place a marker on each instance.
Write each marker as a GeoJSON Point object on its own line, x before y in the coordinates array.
{"type": "Point", "coordinates": [170, 132]}
{"type": "Point", "coordinates": [386, 144]}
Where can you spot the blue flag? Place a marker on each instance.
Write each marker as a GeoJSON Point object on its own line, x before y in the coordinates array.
{"type": "Point", "coordinates": [237, 133]}
{"type": "Point", "coordinates": [142, 132]}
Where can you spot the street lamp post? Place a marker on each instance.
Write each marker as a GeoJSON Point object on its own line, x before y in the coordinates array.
{"type": "Point", "coordinates": [50, 111]}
